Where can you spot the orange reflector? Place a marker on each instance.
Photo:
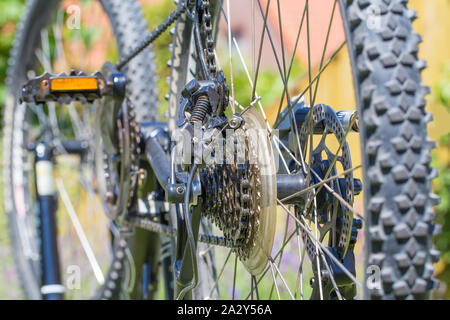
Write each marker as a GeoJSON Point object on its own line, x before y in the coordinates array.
{"type": "Point", "coordinates": [73, 84]}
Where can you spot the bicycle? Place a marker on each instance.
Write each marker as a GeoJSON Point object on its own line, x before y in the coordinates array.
{"type": "Point", "coordinates": [166, 216]}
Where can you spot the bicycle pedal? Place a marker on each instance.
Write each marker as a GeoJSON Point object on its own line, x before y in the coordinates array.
{"type": "Point", "coordinates": [65, 88]}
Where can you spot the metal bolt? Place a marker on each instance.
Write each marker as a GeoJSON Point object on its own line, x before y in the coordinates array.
{"type": "Point", "coordinates": [180, 190]}
{"type": "Point", "coordinates": [40, 149]}
{"type": "Point", "coordinates": [110, 198]}
{"type": "Point", "coordinates": [235, 122]}
{"type": "Point", "coordinates": [312, 282]}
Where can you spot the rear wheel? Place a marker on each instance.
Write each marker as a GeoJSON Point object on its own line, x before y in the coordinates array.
{"type": "Point", "coordinates": [394, 145]}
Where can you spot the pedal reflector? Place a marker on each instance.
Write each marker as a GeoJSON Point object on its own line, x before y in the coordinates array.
{"type": "Point", "coordinates": [73, 84]}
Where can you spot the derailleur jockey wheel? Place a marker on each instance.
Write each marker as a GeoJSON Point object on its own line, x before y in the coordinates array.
{"type": "Point", "coordinates": [240, 194]}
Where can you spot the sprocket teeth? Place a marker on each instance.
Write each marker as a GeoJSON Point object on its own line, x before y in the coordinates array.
{"type": "Point", "coordinates": [234, 207]}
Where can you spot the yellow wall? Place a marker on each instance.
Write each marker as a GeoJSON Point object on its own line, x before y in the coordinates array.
{"type": "Point", "coordinates": [434, 26]}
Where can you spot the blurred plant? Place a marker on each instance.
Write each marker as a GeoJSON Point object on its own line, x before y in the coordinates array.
{"type": "Point", "coordinates": [10, 12]}
{"type": "Point", "coordinates": [442, 186]}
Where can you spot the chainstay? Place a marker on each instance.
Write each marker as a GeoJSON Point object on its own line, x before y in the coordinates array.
{"type": "Point", "coordinates": [147, 224]}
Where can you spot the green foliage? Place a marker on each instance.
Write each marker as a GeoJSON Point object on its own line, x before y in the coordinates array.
{"type": "Point", "coordinates": [443, 87]}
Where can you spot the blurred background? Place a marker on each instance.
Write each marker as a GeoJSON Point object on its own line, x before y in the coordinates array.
{"type": "Point", "coordinates": [433, 24]}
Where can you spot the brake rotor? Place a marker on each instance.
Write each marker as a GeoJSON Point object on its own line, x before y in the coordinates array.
{"type": "Point", "coordinates": [325, 118]}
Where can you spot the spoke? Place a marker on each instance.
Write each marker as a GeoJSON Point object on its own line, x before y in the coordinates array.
{"type": "Point", "coordinates": [325, 48]}
{"type": "Point", "coordinates": [234, 277]}
{"type": "Point", "coordinates": [231, 58]}
{"type": "Point", "coordinates": [282, 250]}
{"type": "Point", "coordinates": [312, 99]}
{"type": "Point", "coordinates": [276, 256]}
{"type": "Point", "coordinates": [253, 22]}
{"type": "Point", "coordinates": [301, 254]}
{"type": "Point", "coordinates": [282, 74]}
{"type": "Point", "coordinates": [287, 150]}
{"type": "Point", "coordinates": [348, 273]}
{"type": "Point", "coordinates": [291, 63]}
{"type": "Point", "coordinates": [251, 287]}
{"type": "Point", "coordinates": [220, 274]}
{"type": "Point", "coordinates": [275, 280]}
{"type": "Point", "coordinates": [204, 252]}
{"type": "Point", "coordinates": [281, 156]}
{"type": "Point", "coordinates": [300, 96]}
{"type": "Point", "coordinates": [282, 42]}
{"type": "Point", "coordinates": [45, 50]}
{"type": "Point", "coordinates": [78, 126]}
{"type": "Point", "coordinates": [326, 265]}
{"type": "Point", "coordinates": [251, 82]}
{"type": "Point", "coordinates": [334, 193]}
{"type": "Point", "coordinates": [80, 232]}
{"type": "Point", "coordinates": [274, 265]}
{"type": "Point", "coordinates": [333, 281]}
{"type": "Point", "coordinates": [319, 273]}
{"type": "Point", "coordinates": [255, 285]}
{"type": "Point", "coordinates": [260, 51]}
{"type": "Point", "coordinates": [310, 117]}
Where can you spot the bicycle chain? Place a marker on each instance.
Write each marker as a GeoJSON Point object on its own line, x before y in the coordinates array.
{"type": "Point", "coordinates": [173, 16]}
{"type": "Point", "coordinates": [209, 41]}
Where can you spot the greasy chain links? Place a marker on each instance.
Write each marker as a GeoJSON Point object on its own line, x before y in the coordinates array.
{"type": "Point", "coordinates": [209, 41]}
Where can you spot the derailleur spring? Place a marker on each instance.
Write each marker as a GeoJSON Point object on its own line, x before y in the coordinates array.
{"type": "Point", "coordinates": [201, 108]}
